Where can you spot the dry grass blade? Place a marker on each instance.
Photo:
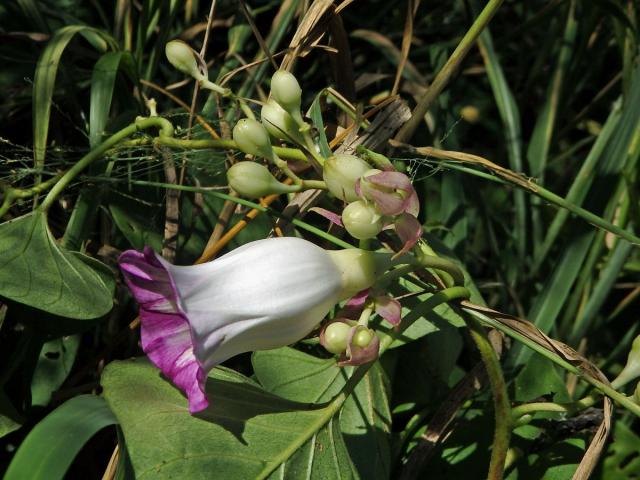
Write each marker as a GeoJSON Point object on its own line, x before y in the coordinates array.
{"type": "Point", "coordinates": [311, 29]}
{"type": "Point", "coordinates": [407, 36]}
{"type": "Point", "coordinates": [505, 173]}
{"type": "Point", "coordinates": [341, 63]}
{"type": "Point", "coordinates": [586, 368]}
{"type": "Point", "coordinates": [391, 51]}
{"type": "Point", "coordinates": [257, 34]}
{"type": "Point", "coordinates": [172, 209]}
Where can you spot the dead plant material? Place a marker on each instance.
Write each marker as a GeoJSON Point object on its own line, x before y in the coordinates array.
{"type": "Point", "coordinates": [508, 175]}
{"type": "Point", "coordinates": [586, 368]}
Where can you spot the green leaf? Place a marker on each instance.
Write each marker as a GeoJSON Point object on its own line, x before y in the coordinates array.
{"type": "Point", "coordinates": [54, 364]}
{"type": "Point", "coordinates": [365, 419]}
{"type": "Point", "coordinates": [103, 79]}
{"type": "Point", "coordinates": [36, 272]}
{"type": "Point", "coordinates": [45, 79]}
{"type": "Point", "coordinates": [245, 433]}
{"type": "Point", "coordinates": [540, 377]}
{"type": "Point", "coordinates": [51, 446]}
{"type": "Point", "coordinates": [9, 418]}
{"type": "Point", "coordinates": [623, 460]}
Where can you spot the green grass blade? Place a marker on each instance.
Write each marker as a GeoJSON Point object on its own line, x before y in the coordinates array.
{"type": "Point", "coordinates": [540, 142]}
{"type": "Point", "coordinates": [103, 79]}
{"type": "Point", "coordinates": [51, 446]}
{"type": "Point", "coordinates": [580, 186]}
{"type": "Point", "coordinates": [510, 116]}
{"type": "Point", "coordinates": [43, 85]}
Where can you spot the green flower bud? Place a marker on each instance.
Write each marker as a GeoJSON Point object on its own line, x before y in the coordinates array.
{"type": "Point", "coordinates": [359, 269]}
{"type": "Point", "coordinates": [279, 123]}
{"type": "Point", "coordinates": [182, 57]}
{"type": "Point", "coordinates": [361, 220]}
{"type": "Point", "coordinates": [363, 337]}
{"type": "Point", "coordinates": [252, 138]}
{"type": "Point", "coordinates": [340, 173]}
{"type": "Point", "coordinates": [253, 180]}
{"type": "Point", "coordinates": [335, 337]}
{"type": "Point", "coordinates": [286, 90]}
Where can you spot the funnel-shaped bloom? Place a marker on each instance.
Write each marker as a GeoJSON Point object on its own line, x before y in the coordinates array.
{"type": "Point", "coordinates": [265, 294]}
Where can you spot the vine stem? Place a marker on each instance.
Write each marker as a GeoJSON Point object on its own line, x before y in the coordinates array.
{"type": "Point", "coordinates": [166, 130]}
{"type": "Point", "coordinates": [502, 407]}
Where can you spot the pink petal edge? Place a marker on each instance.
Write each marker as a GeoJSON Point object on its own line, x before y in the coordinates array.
{"type": "Point", "coordinates": [389, 308]}
{"type": "Point", "coordinates": [165, 332]}
{"type": "Point", "coordinates": [328, 214]}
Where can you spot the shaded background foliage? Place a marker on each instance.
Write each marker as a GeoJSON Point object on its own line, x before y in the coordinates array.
{"type": "Point", "coordinates": [550, 92]}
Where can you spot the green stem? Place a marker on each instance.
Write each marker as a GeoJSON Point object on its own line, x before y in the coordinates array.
{"type": "Point", "coordinates": [448, 70]}
{"type": "Point", "coordinates": [282, 152]}
{"type": "Point", "coordinates": [246, 203]}
{"type": "Point", "coordinates": [570, 408]}
{"type": "Point", "coordinates": [317, 184]}
{"type": "Point", "coordinates": [166, 130]}
{"type": "Point", "coordinates": [11, 194]}
{"type": "Point", "coordinates": [502, 407]}
{"type": "Point", "coordinates": [607, 390]}
{"type": "Point", "coordinates": [447, 295]}
{"type": "Point", "coordinates": [435, 263]}
{"type": "Point", "coordinates": [554, 199]}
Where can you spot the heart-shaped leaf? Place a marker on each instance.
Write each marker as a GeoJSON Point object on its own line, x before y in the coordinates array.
{"type": "Point", "coordinates": [245, 433]}
{"type": "Point", "coordinates": [35, 271]}
{"type": "Point", "coordinates": [365, 419]}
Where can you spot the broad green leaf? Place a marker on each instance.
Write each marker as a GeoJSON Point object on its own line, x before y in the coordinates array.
{"type": "Point", "coordinates": [51, 446]}
{"type": "Point", "coordinates": [538, 378]}
{"type": "Point", "coordinates": [623, 460]}
{"type": "Point", "coordinates": [36, 272]}
{"type": "Point", "coordinates": [365, 419]}
{"type": "Point", "coordinates": [54, 364]}
{"type": "Point", "coordinates": [45, 79]}
{"type": "Point", "coordinates": [245, 433]}
{"type": "Point", "coordinates": [9, 418]}
{"type": "Point", "coordinates": [136, 222]}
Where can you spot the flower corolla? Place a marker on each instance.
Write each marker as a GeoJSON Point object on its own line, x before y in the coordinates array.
{"type": "Point", "coordinates": [266, 294]}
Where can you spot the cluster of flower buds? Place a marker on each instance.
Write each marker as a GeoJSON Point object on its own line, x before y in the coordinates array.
{"type": "Point", "coordinates": [376, 199]}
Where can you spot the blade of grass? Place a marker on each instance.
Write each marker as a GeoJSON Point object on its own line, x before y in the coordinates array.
{"type": "Point", "coordinates": [540, 142]}
{"type": "Point", "coordinates": [512, 130]}
{"type": "Point", "coordinates": [51, 446]}
{"type": "Point", "coordinates": [44, 82]}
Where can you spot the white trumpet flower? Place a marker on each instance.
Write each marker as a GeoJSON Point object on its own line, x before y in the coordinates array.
{"type": "Point", "coordinates": [263, 295]}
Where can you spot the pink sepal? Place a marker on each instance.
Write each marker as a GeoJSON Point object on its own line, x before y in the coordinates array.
{"type": "Point", "coordinates": [329, 215]}
{"type": "Point", "coordinates": [357, 355]}
{"type": "Point", "coordinates": [389, 308]}
{"type": "Point", "coordinates": [409, 231]}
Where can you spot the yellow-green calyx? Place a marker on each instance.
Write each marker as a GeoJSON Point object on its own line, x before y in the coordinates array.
{"type": "Point", "coordinates": [253, 180]}
{"type": "Point", "coordinates": [359, 269]}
